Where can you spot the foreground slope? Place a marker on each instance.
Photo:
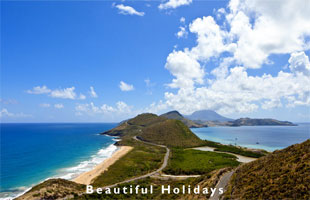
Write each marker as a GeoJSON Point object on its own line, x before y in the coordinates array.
{"type": "Point", "coordinates": [284, 174]}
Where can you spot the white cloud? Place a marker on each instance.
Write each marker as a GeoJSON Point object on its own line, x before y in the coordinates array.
{"type": "Point", "coordinates": [274, 103]}
{"type": "Point", "coordinates": [278, 28]}
{"type": "Point", "coordinates": [125, 87]}
{"type": "Point", "coordinates": [92, 92]}
{"type": "Point", "coordinates": [5, 113]}
{"type": "Point", "coordinates": [39, 90]}
{"type": "Point", "coordinates": [59, 106]}
{"type": "Point", "coordinates": [241, 93]}
{"type": "Point", "coordinates": [127, 10]}
{"type": "Point", "coordinates": [172, 4]}
{"type": "Point", "coordinates": [66, 93]}
{"type": "Point", "coordinates": [8, 101]}
{"type": "Point", "coordinates": [185, 68]}
{"type": "Point", "coordinates": [82, 97]}
{"type": "Point", "coordinates": [299, 63]}
{"type": "Point", "coordinates": [252, 31]}
{"type": "Point", "coordinates": [121, 108]}
{"type": "Point", "coordinates": [182, 20]}
{"type": "Point", "coordinates": [45, 105]}
{"type": "Point", "coordinates": [182, 33]}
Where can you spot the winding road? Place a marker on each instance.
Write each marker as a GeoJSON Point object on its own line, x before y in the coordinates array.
{"type": "Point", "coordinates": [151, 173]}
{"type": "Point", "coordinates": [222, 183]}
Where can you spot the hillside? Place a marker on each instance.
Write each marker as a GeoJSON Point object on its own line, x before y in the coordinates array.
{"type": "Point", "coordinates": [260, 122]}
{"type": "Point", "coordinates": [176, 115]}
{"type": "Point", "coordinates": [157, 129]}
{"type": "Point", "coordinates": [54, 189]}
{"type": "Point", "coordinates": [171, 133]}
{"type": "Point", "coordinates": [132, 126]}
{"type": "Point", "coordinates": [207, 115]}
{"type": "Point", "coordinates": [284, 174]}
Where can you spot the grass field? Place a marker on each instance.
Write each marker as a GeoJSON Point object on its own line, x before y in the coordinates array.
{"type": "Point", "coordinates": [233, 149]}
{"type": "Point", "coordinates": [190, 161]}
{"type": "Point", "coordinates": [141, 160]}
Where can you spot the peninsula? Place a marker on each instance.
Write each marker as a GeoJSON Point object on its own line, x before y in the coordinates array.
{"type": "Point", "coordinates": [163, 151]}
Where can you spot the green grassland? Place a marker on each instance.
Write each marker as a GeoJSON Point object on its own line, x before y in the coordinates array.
{"type": "Point", "coordinates": [141, 160]}
{"type": "Point", "coordinates": [172, 133]}
{"type": "Point", "coordinates": [236, 150]}
{"type": "Point", "coordinates": [190, 161]}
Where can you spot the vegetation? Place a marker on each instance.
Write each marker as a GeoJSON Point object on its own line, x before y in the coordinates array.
{"type": "Point", "coordinates": [160, 130]}
{"type": "Point", "coordinates": [54, 189]}
{"type": "Point", "coordinates": [205, 181]}
{"type": "Point", "coordinates": [190, 161]}
{"type": "Point", "coordinates": [171, 133]}
{"type": "Point", "coordinates": [132, 126]}
{"type": "Point", "coordinates": [260, 122]}
{"type": "Point", "coordinates": [283, 174]}
{"type": "Point", "coordinates": [176, 115]}
{"type": "Point", "coordinates": [141, 160]}
{"type": "Point", "coordinates": [157, 183]}
{"type": "Point", "coordinates": [236, 150]}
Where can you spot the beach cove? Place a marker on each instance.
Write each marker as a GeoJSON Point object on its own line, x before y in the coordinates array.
{"type": "Point", "coordinates": [50, 150]}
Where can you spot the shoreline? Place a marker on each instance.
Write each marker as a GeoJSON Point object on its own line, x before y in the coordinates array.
{"type": "Point", "coordinates": [240, 158]}
{"type": "Point", "coordinates": [87, 177]}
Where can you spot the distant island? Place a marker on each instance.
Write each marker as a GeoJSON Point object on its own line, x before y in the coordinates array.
{"type": "Point", "coordinates": [164, 151]}
{"type": "Point", "coordinates": [205, 118]}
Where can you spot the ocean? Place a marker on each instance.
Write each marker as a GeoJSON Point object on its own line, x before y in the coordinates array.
{"type": "Point", "coordinates": [269, 138]}
{"type": "Point", "coordinates": [32, 153]}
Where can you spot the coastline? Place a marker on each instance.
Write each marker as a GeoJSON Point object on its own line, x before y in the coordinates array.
{"type": "Point", "coordinates": [87, 177]}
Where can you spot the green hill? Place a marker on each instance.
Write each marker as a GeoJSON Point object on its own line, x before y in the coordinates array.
{"type": "Point", "coordinates": [284, 174]}
{"type": "Point", "coordinates": [157, 129]}
{"type": "Point", "coordinates": [176, 115]}
{"type": "Point", "coordinates": [172, 133]}
{"type": "Point", "coordinates": [132, 126]}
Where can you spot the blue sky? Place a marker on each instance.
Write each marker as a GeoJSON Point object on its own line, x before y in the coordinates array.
{"type": "Point", "coordinates": [139, 56]}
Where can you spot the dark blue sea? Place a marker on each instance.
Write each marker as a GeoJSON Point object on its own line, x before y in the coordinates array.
{"type": "Point", "coordinates": [269, 138]}
{"type": "Point", "coordinates": [31, 153]}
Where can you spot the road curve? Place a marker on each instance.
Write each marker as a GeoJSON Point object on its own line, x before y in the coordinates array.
{"type": "Point", "coordinates": [151, 173]}
{"type": "Point", "coordinates": [222, 183]}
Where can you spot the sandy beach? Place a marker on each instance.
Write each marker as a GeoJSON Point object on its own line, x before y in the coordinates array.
{"type": "Point", "coordinates": [87, 177]}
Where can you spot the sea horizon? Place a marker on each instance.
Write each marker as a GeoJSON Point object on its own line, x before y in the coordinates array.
{"type": "Point", "coordinates": [78, 148]}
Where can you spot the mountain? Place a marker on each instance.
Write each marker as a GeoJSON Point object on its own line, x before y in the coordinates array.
{"type": "Point", "coordinates": [283, 174]}
{"type": "Point", "coordinates": [260, 122]}
{"type": "Point", "coordinates": [157, 129]}
{"type": "Point", "coordinates": [176, 115]}
{"type": "Point", "coordinates": [207, 115]}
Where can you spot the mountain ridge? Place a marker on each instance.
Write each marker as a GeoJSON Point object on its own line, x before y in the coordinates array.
{"type": "Point", "coordinates": [178, 116]}
{"type": "Point", "coordinates": [207, 115]}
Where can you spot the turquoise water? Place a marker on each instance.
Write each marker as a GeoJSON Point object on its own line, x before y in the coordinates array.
{"type": "Point", "coordinates": [269, 138]}
{"type": "Point", "coordinates": [31, 153]}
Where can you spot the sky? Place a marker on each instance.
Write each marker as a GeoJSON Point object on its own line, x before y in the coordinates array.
{"type": "Point", "coordinates": [106, 61]}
